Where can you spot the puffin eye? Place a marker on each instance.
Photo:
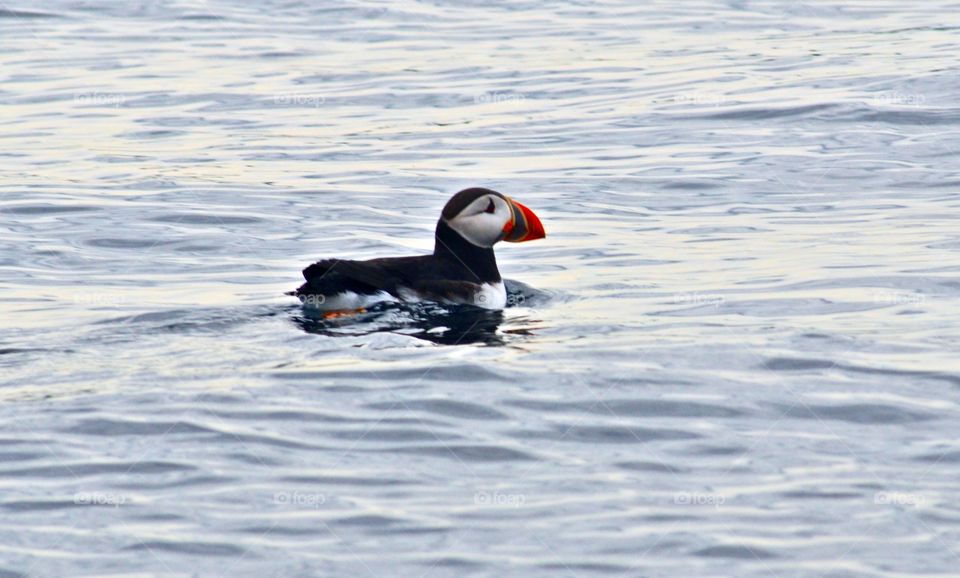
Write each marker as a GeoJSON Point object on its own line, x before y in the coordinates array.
{"type": "Point", "coordinates": [491, 208]}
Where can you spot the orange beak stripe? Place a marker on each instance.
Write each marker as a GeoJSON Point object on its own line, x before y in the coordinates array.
{"type": "Point", "coordinates": [524, 224]}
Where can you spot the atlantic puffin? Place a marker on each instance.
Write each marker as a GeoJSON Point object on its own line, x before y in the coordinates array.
{"type": "Point", "coordinates": [461, 270]}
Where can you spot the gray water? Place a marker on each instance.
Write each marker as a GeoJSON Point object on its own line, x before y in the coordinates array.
{"type": "Point", "coordinates": [733, 355]}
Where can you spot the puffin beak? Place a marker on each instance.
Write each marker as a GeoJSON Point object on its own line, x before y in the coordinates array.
{"type": "Point", "coordinates": [523, 225]}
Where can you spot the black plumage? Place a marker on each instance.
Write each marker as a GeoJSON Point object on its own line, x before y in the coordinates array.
{"type": "Point", "coordinates": [454, 272]}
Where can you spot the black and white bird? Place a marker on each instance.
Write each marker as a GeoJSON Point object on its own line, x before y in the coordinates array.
{"type": "Point", "coordinates": [461, 270]}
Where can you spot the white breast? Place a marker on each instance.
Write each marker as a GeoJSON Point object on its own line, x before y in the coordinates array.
{"type": "Point", "coordinates": [488, 296]}
{"type": "Point", "coordinates": [491, 296]}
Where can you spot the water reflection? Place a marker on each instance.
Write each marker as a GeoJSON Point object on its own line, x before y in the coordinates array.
{"type": "Point", "coordinates": [444, 325]}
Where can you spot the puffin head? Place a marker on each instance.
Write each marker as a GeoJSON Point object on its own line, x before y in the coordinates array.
{"type": "Point", "coordinates": [484, 218]}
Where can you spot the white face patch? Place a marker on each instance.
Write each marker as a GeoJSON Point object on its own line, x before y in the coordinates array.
{"type": "Point", "coordinates": [482, 221]}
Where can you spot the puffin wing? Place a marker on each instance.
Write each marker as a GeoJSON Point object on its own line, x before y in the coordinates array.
{"type": "Point", "coordinates": [448, 291]}
{"type": "Point", "coordinates": [403, 278]}
{"type": "Point", "coordinates": [334, 276]}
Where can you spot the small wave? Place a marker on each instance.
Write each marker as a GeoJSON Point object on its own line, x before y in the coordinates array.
{"type": "Point", "coordinates": [860, 413]}
{"type": "Point", "coordinates": [632, 407]}
{"type": "Point", "coordinates": [373, 480]}
{"type": "Point", "coordinates": [603, 434]}
{"type": "Point", "coordinates": [805, 364]}
{"type": "Point", "coordinates": [378, 434]}
{"type": "Point", "coordinates": [443, 407]}
{"type": "Point", "coordinates": [41, 505]}
{"type": "Point", "coordinates": [767, 113]}
{"type": "Point", "coordinates": [193, 548]}
{"type": "Point", "coordinates": [28, 14]}
{"type": "Point", "coordinates": [206, 219]}
{"type": "Point", "coordinates": [735, 551]}
{"type": "Point", "coordinates": [47, 209]}
{"type": "Point", "coordinates": [478, 453]}
{"type": "Point", "coordinates": [77, 470]}
{"type": "Point", "coordinates": [117, 427]}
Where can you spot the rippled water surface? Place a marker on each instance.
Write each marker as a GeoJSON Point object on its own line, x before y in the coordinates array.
{"type": "Point", "coordinates": [733, 355]}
